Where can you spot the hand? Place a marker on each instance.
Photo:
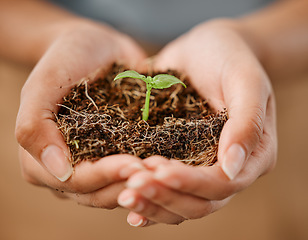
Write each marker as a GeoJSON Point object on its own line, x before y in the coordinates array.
{"type": "Point", "coordinates": [222, 66]}
{"type": "Point", "coordinates": [94, 184]}
{"type": "Point", "coordinates": [166, 193]}
{"type": "Point", "coordinates": [79, 50]}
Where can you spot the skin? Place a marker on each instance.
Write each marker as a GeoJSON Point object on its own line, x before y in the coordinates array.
{"type": "Point", "coordinates": [63, 56]}
{"type": "Point", "coordinates": [233, 78]}
{"type": "Point", "coordinates": [228, 61]}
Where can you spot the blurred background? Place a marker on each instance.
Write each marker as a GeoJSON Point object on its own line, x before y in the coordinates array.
{"type": "Point", "coordinates": [274, 208]}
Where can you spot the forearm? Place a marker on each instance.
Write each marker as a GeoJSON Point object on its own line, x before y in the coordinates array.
{"type": "Point", "coordinates": [28, 27]}
{"type": "Point", "coordinates": [279, 36]}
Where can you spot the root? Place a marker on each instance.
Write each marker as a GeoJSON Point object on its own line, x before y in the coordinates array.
{"type": "Point", "coordinates": [87, 95]}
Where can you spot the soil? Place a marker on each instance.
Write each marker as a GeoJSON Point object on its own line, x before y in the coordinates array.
{"type": "Point", "coordinates": [104, 118]}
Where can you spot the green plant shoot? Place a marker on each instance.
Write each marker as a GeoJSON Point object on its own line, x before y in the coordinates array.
{"type": "Point", "coordinates": [160, 81]}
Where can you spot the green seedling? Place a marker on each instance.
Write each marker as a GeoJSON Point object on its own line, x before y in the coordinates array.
{"type": "Point", "coordinates": [160, 81]}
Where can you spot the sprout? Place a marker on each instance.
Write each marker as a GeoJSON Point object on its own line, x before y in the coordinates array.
{"type": "Point", "coordinates": [160, 81]}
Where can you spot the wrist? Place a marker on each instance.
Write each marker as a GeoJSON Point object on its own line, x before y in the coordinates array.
{"type": "Point", "coordinates": [243, 30]}
{"type": "Point", "coordinates": [68, 27]}
{"type": "Point", "coordinates": [253, 39]}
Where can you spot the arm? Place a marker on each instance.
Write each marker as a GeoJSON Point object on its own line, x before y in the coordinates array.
{"type": "Point", "coordinates": [29, 27]}
{"type": "Point", "coordinates": [279, 37]}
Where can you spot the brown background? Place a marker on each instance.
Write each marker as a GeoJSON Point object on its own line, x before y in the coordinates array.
{"type": "Point", "coordinates": [274, 207]}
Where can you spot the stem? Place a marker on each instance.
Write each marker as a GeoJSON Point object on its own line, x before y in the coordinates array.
{"type": "Point", "coordinates": [146, 109]}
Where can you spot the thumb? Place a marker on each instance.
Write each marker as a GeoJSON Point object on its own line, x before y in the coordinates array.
{"type": "Point", "coordinates": [247, 100]}
{"type": "Point", "coordinates": [36, 130]}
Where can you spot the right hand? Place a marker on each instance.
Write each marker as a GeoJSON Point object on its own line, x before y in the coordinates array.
{"type": "Point", "coordinates": [223, 68]}
{"type": "Point", "coordinates": [79, 50]}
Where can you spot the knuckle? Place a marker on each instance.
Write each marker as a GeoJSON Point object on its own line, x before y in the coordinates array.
{"type": "Point", "coordinates": [256, 123]}
{"type": "Point", "coordinates": [24, 131]}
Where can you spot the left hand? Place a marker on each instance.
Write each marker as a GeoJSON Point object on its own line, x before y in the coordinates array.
{"type": "Point", "coordinates": [224, 68]}
{"type": "Point", "coordinates": [79, 48]}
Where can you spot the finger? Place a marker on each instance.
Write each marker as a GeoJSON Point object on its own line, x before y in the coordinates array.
{"type": "Point", "coordinates": [211, 182]}
{"type": "Point", "coordinates": [206, 182]}
{"type": "Point", "coordinates": [60, 68]}
{"type": "Point", "coordinates": [136, 220]}
{"type": "Point", "coordinates": [105, 197]}
{"type": "Point", "coordinates": [264, 156]}
{"type": "Point", "coordinates": [155, 161]}
{"type": "Point", "coordinates": [186, 205]}
{"type": "Point", "coordinates": [131, 200]}
{"type": "Point", "coordinates": [246, 94]}
{"type": "Point", "coordinates": [87, 177]}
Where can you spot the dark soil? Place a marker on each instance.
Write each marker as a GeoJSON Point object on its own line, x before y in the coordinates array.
{"type": "Point", "coordinates": [104, 118]}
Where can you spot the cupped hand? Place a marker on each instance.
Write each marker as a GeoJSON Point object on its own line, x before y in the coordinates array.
{"type": "Point", "coordinates": [225, 69]}
{"type": "Point", "coordinates": [77, 51]}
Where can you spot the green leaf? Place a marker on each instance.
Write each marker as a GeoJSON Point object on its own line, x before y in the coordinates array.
{"type": "Point", "coordinates": [130, 74]}
{"type": "Point", "coordinates": [162, 81]}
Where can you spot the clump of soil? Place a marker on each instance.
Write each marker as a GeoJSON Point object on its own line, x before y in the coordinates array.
{"type": "Point", "coordinates": [104, 118]}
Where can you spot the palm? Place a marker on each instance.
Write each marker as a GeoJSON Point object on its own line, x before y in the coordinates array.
{"type": "Point", "coordinates": [74, 55]}
{"type": "Point", "coordinates": [224, 70]}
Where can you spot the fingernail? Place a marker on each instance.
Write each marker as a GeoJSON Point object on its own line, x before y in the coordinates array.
{"type": "Point", "coordinates": [140, 223]}
{"type": "Point", "coordinates": [162, 174]}
{"type": "Point", "coordinates": [130, 169]}
{"type": "Point", "coordinates": [233, 161]}
{"type": "Point", "coordinates": [129, 201]}
{"type": "Point", "coordinates": [57, 163]}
